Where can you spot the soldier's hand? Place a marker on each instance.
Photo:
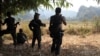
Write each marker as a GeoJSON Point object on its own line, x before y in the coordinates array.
{"type": "Point", "coordinates": [44, 25]}
{"type": "Point", "coordinates": [17, 23]}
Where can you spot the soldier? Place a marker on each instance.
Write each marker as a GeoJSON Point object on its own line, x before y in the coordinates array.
{"type": "Point", "coordinates": [56, 31]}
{"type": "Point", "coordinates": [21, 37]}
{"type": "Point", "coordinates": [34, 26]}
{"type": "Point", "coordinates": [11, 27]}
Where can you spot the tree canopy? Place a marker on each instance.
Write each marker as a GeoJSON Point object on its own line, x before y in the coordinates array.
{"type": "Point", "coordinates": [21, 5]}
{"type": "Point", "coordinates": [98, 1]}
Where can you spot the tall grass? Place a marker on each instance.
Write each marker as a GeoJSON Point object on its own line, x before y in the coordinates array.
{"type": "Point", "coordinates": [73, 28]}
{"type": "Point", "coordinates": [96, 24]}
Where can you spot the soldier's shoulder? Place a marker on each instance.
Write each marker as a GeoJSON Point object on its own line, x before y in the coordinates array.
{"type": "Point", "coordinates": [52, 16]}
{"type": "Point", "coordinates": [18, 33]}
{"type": "Point", "coordinates": [62, 16]}
{"type": "Point", "coordinates": [39, 20]}
{"type": "Point", "coordinates": [6, 19]}
{"type": "Point", "coordinates": [32, 20]}
{"type": "Point", "coordinates": [12, 17]}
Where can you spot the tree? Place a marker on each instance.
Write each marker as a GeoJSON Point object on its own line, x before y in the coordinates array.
{"type": "Point", "coordinates": [22, 5]}
{"type": "Point", "coordinates": [16, 6]}
{"type": "Point", "coordinates": [98, 1]}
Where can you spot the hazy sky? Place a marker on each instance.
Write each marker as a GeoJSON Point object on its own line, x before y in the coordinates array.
{"type": "Point", "coordinates": [75, 8]}
{"type": "Point", "coordinates": [78, 3]}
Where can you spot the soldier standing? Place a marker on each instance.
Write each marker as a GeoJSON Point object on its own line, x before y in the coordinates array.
{"type": "Point", "coordinates": [34, 26]}
{"type": "Point", "coordinates": [56, 31]}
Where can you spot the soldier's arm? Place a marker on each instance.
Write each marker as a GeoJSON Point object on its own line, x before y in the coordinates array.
{"type": "Point", "coordinates": [64, 21]}
{"type": "Point", "coordinates": [3, 23]}
{"type": "Point", "coordinates": [30, 26]}
{"type": "Point", "coordinates": [50, 24]}
{"type": "Point", "coordinates": [41, 24]}
{"type": "Point", "coordinates": [26, 38]}
{"type": "Point", "coordinates": [51, 21]}
{"type": "Point", "coordinates": [17, 23]}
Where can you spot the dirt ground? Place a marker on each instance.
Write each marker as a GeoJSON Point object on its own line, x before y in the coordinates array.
{"type": "Point", "coordinates": [72, 45]}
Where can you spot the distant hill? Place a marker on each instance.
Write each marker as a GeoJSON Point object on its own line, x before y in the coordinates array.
{"type": "Point", "coordinates": [88, 12]}
{"type": "Point", "coordinates": [45, 14]}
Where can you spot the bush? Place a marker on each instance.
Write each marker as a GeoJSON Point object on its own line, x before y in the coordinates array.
{"type": "Point", "coordinates": [78, 31]}
{"type": "Point", "coordinates": [83, 31]}
{"type": "Point", "coordinates": [71, 31]}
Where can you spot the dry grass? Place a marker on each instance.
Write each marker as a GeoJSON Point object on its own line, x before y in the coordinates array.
{"type": "Point", "coordinates": [73, 42]}
{"type": "Point", "coordinates": [72, 45]}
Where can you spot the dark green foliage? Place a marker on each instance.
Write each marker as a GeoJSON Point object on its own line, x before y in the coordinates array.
{"type": "Point", "coordinates": [98, 1]}
{"type": "Point", "coordinates": [23, 5]}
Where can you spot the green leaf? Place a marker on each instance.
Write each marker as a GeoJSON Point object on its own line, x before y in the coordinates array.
{"type": "Point", "coordinates": [16, 6]}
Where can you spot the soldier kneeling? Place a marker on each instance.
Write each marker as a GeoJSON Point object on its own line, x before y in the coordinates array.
{"type": "Point", "coordinates": [21, 37]}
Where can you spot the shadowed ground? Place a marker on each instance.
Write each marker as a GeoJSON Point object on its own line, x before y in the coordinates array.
{"type": "Point", "coordinates": [72, 46]}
